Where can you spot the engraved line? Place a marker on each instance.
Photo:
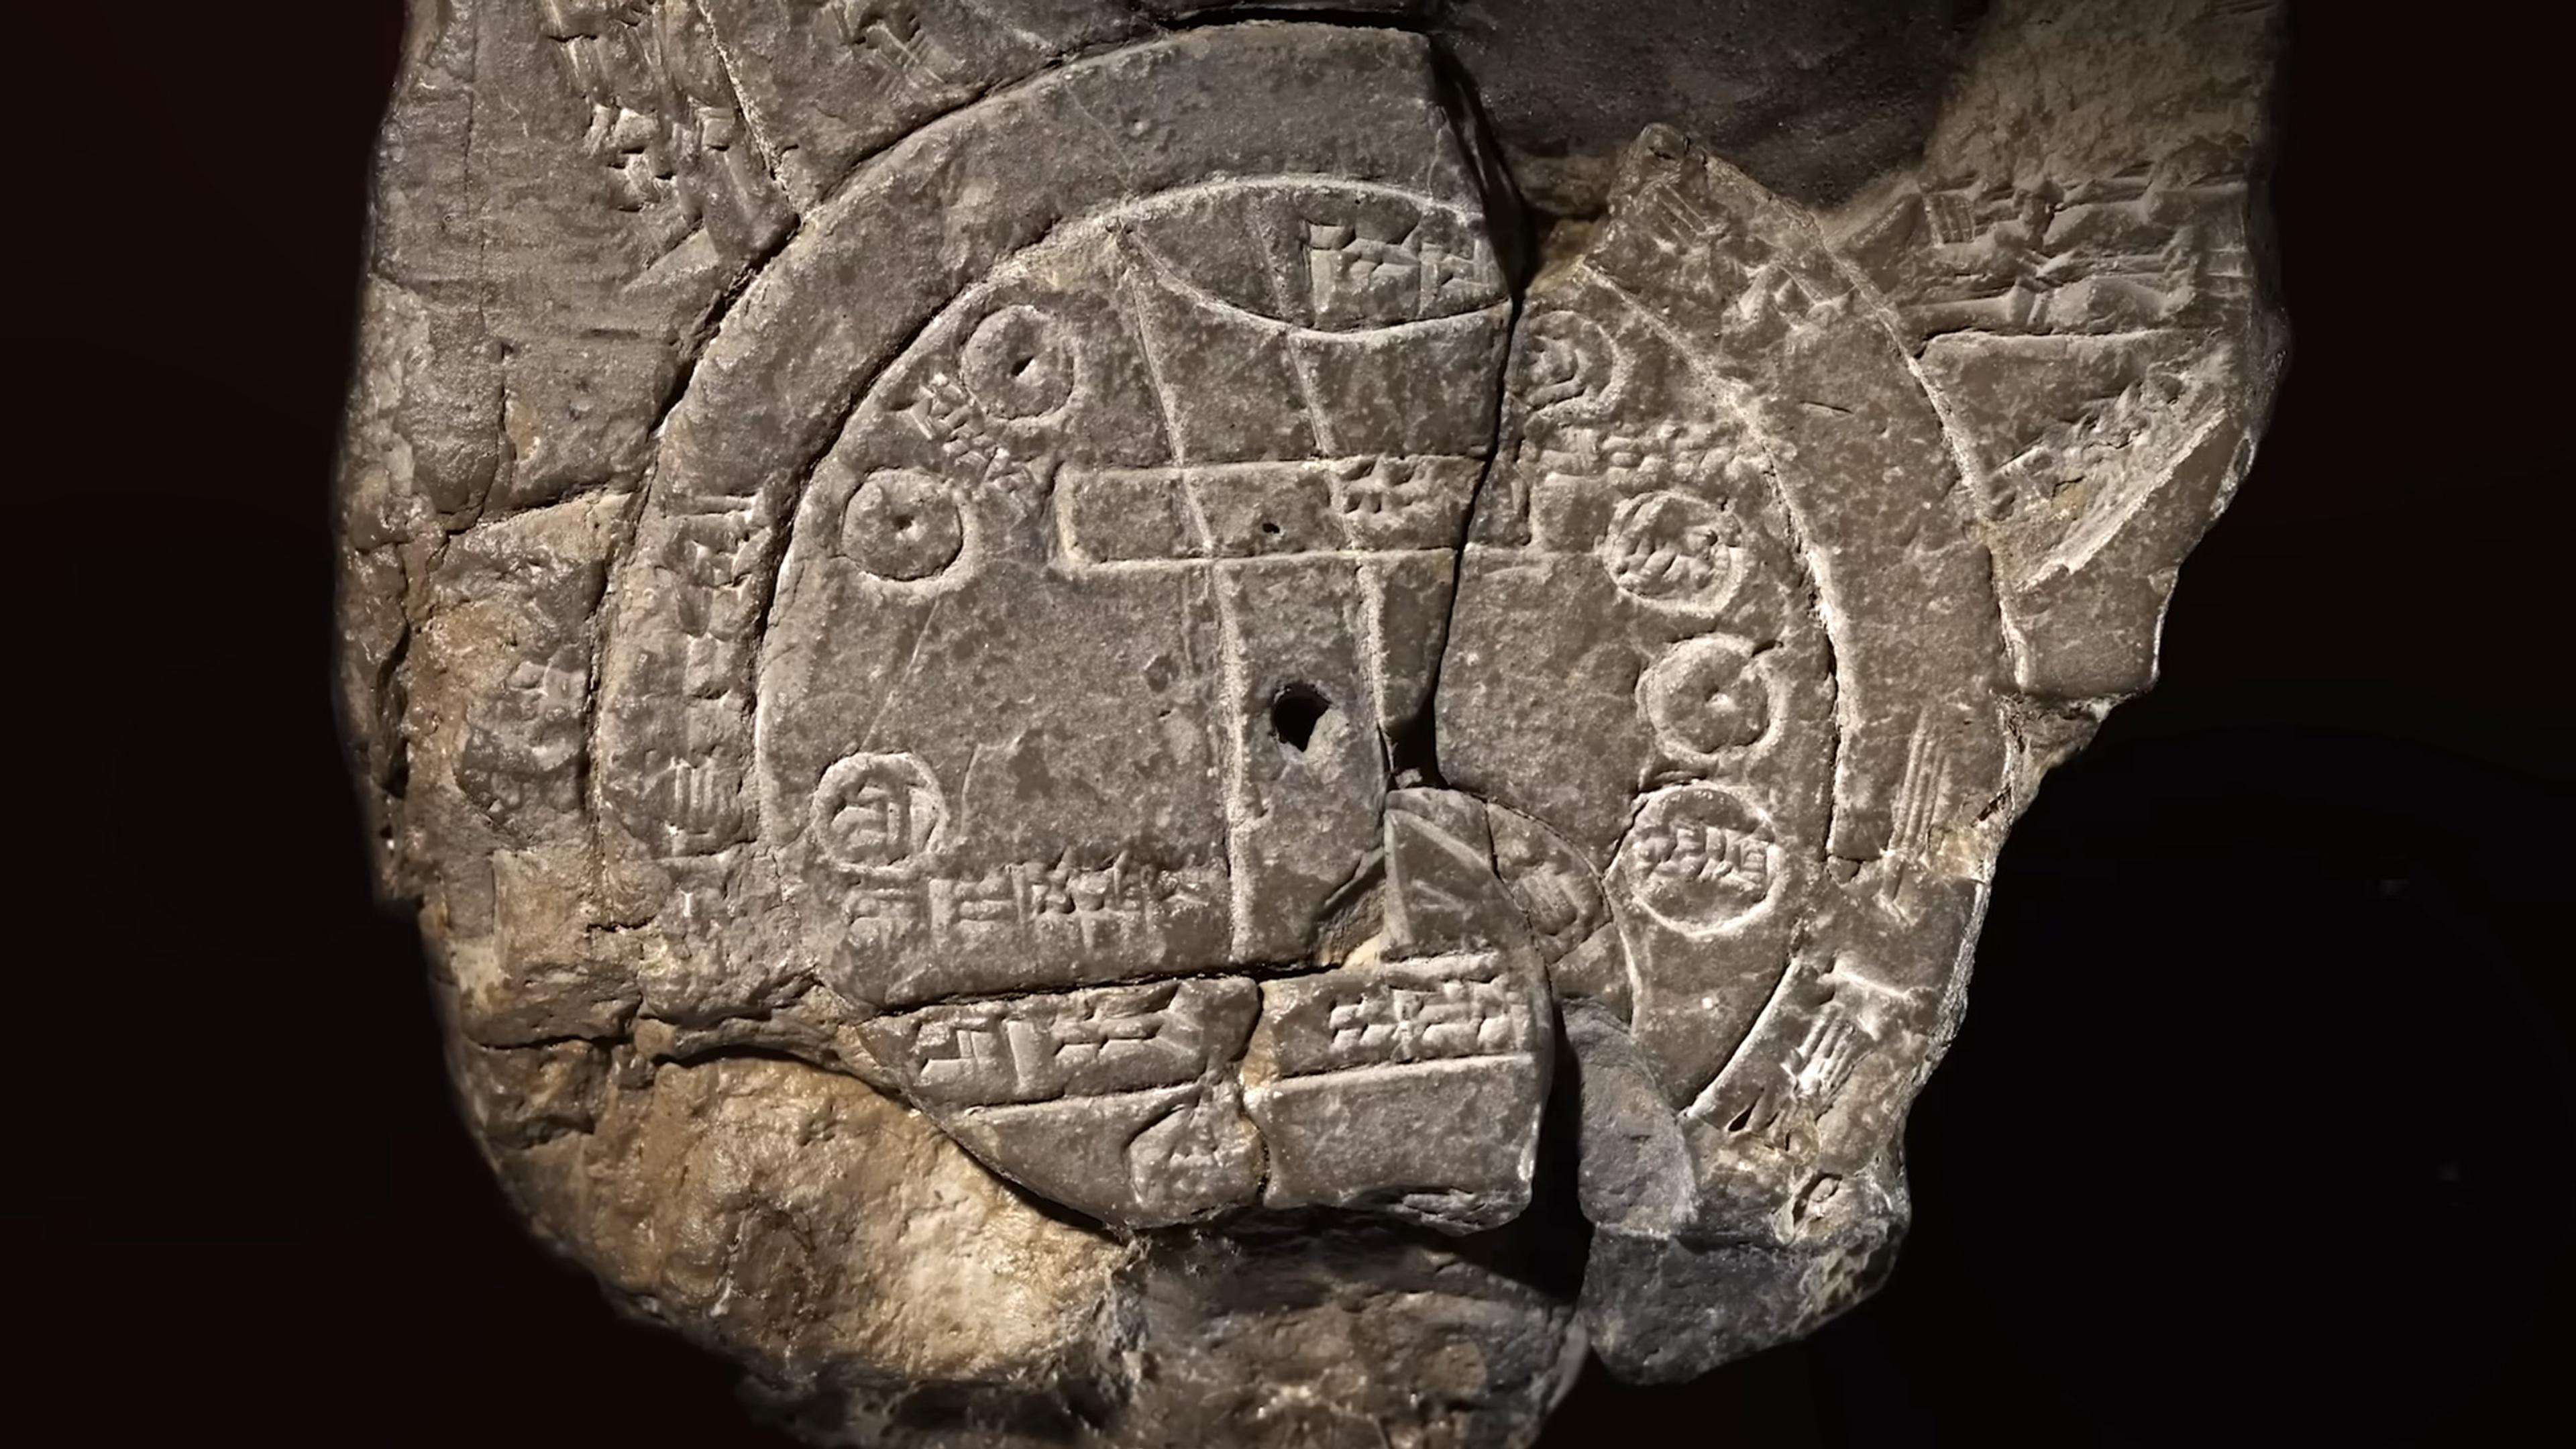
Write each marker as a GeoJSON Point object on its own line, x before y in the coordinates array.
{"type": "Point", "coordinates": [1190, 1085]}
{"type": "Point", "coordinates": [1829, 616]}
{"type": "Point", "coordinates": [1394, 1071]}
{"type": "Point", "coordinates": [1301, 366]}
{"type": "Point", "coordinates": [1704, 1106]}
{"type": "Point", "coordinates": [1367, 336]}
{"type": "Point", "coordinates": [903, 677]}
{"type": "Point", "coordinates": [1827, 602]}
{"type": "Point", "coordinates": [898, 1004]}
{"type": "Point", "coordinates": [1233, 670]}
{"type": "Point", "coordinates": [1260, 467]}
{"type": "Point", "coordinates": [1185, 565]}
{"type": "Point", "coordinates": [1371, 577]}
{"type": "Point", "coordinates": [1314, 180]}
{"type": "Point", "coordinates": [752, 122]}
{"type": "Point", "coordinates": [1057, 65]}
{"type": "Point", "coordinates": [1367, 1070]}
{"type": "Point", "coordinates": [1327, 442]}
{"type": "Point", "coordinates": [1045, 47]}
{"type": "Point", "coordinates": [2096, 532]}
{"type": "Point", "coordinates": [1230, 663]}
{"type": "Point", "coordinates": [1166, 402]}
{"type": "Point", "coordinates": [1974, 481]}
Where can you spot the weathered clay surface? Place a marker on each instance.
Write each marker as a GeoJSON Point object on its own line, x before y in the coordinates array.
{"type": "Point", "coordinates": [1135, 724]}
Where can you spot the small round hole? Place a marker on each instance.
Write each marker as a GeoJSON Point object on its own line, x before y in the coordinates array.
{"type": "Point", "coordinates": [1270, 528]}
{"type": "Point", "coordinates": [1295, 713]}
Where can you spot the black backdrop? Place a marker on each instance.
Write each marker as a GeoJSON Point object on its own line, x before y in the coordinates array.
{"type": "Point", "coordinates": [2261, 1123]}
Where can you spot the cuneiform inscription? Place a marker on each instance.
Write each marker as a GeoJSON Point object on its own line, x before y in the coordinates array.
{"type": "Point", "coordinates": [2131, 250]}
{"type": "Point", "coordinates": [663, 122]}
{"type": "Point", "coordinates": [1700, 858]}
{"type": "Point", "coordinates": [963, 429]}
{"type": "Point", "coordinates": [1810, 1079]}
{"type": "Point", "coordinates": [524, 745]}
{"type": "Point", "coordinates": [1821, 1064]}
{"type": "Point", "coordinates": [680, 786]}
{"type": "Point", "coordinates": [715, 553]}
{"type": "Point", "coordinates": [891, 44]}
{"type": "Point", "coordinates": [1064, 904]}
{"type": "Point", "coordinates": [1438, 1008]}
{"type": "Point", "coordinates": [1657, 503]}
{"type": "Point", "coordinates": [1456, 1018]}
{"type": "Point", "coordinates": [1570, 366]}
{"type": "Point", "coordinates": [1411, 1085]}
{"type": "Point", "coordinates": [1799, 1065]}
{"type": "Point", "coordinates": [1069, 1044]}
{"type": "Point", "coordinates": [1359, 280]}
{"type": "Point", "coordinates": [1018, 373]}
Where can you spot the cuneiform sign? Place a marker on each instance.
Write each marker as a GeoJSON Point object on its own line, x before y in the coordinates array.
{"type": "Point", "coordinates": [1108, 716]}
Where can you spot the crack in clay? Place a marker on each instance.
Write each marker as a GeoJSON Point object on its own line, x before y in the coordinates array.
{"type": "Point", "coordinates": [770, 153]}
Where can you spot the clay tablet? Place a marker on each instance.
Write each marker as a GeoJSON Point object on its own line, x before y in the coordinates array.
{"type": "Point", "coordinates": [1133, 725]}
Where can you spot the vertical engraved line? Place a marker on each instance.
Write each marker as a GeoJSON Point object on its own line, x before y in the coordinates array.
{"type": "Point", "coordinates": [903, 678]}
{"type": "Point", "coordinates": [1001, 21]}
{"type": "Point", "coordinates": [1060, 514]}
{"type": "Point", "coordinates": [1231, 669]}
{"type": "Point", "coordinates": [1704, 1105]}
{"type": "Point", "coordinates": [1164, 402]}
{"type": "Point", "coordinates": [1328, 443]}
{"type": "Point", "coordinates": [1301, 366]}
{"type": "Point", "coordinates": [754, 124]}
{"type": "Point", "coordinates": [1909, 812]}
{"type": "Point", "coordinates": [1974, 479]}
{"type": "Point", "coordinates": [1372, 591]}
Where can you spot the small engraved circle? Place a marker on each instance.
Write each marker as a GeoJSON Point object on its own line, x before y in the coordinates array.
{"type": "Point", "coordinates": [1673, 550]}
{"type": "Point", "coordinates": [902, 525]}
{"type": "Point", "coordinates": [1707, 696]}
{"type": "Point", "coordinates": [875, 811]}
{"type": "Point", "coordinates": [1019, 363]}
{"type": "Point", "coordinates": [1699, 858]}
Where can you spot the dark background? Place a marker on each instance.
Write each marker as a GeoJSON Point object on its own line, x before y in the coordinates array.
{"type": "Point", "coordinates": [2261, 1125]}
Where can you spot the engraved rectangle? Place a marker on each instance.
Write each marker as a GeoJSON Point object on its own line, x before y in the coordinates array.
{"type": "Point", "coordinates": [1254, 509]}
{"type": "Point", "coordinates": [1463, 1127]}
{"type": "Point", "coordinates": [1121, 514]}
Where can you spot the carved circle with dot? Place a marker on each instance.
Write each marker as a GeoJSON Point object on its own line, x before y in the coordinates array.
{"type": "Point", "coordinates": [902, 524]}
{"type": "Point", "coordinates": [1018, 363]}
{"type": "Point", "coordinates": [1699, 858]}
{"type": "Point", "coordinates": [1674, 551]}
{"type": "Point", "coordinates": [1708, 696]}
